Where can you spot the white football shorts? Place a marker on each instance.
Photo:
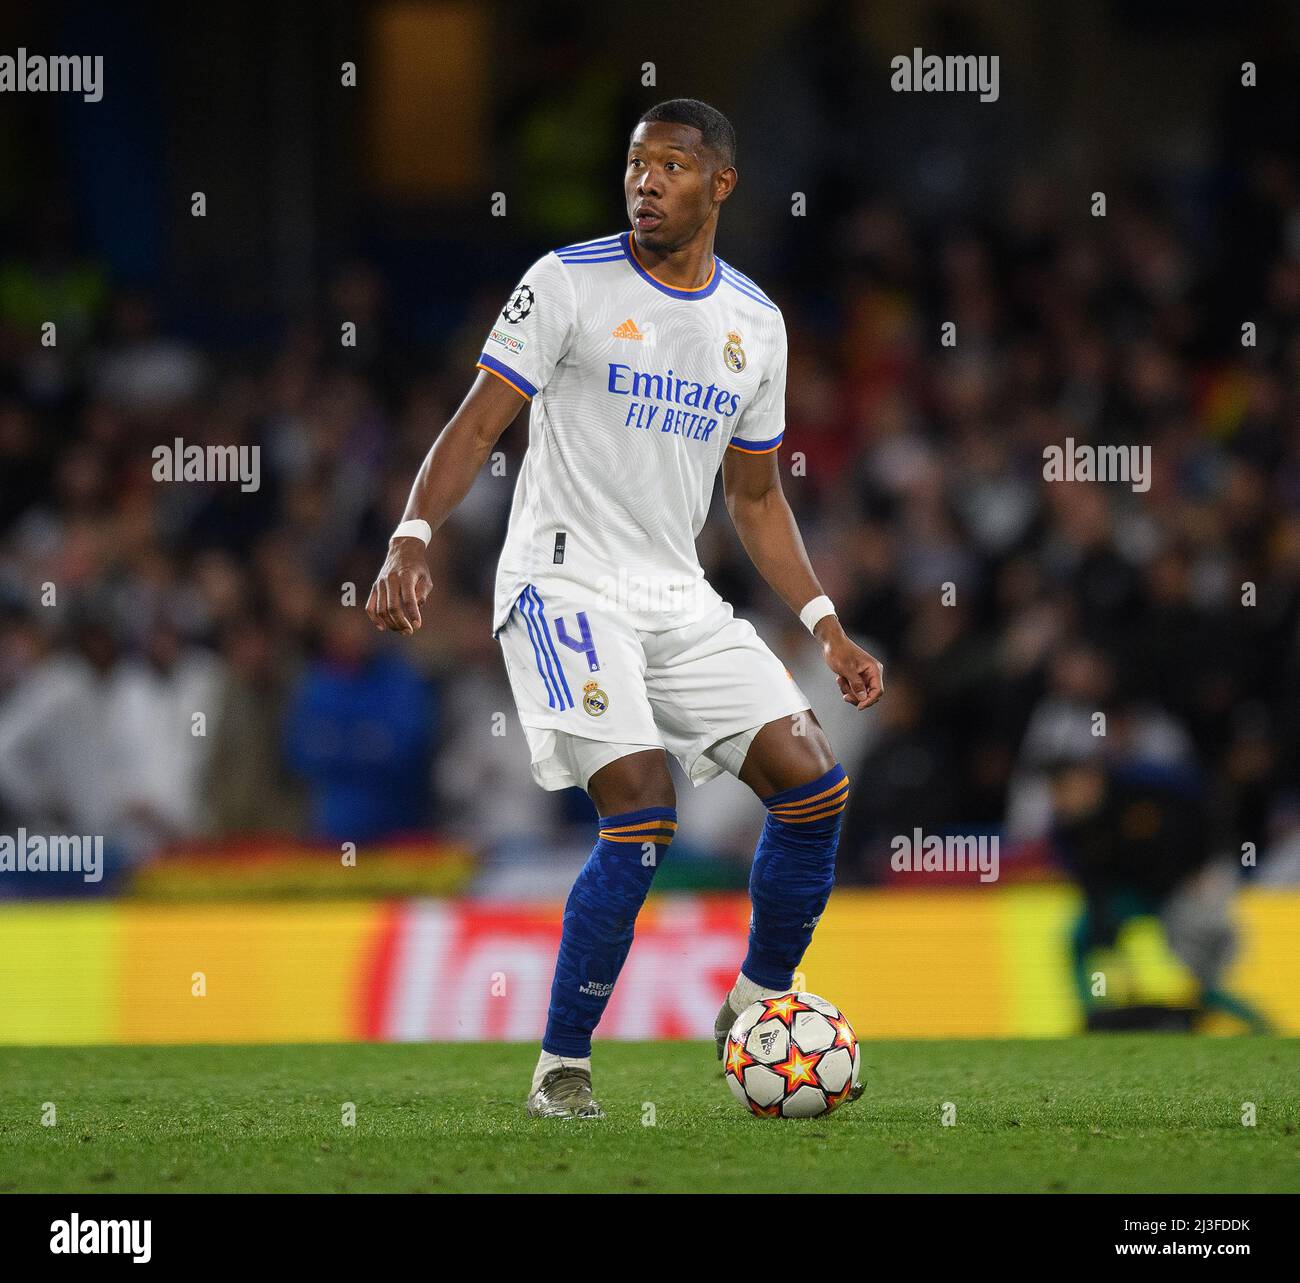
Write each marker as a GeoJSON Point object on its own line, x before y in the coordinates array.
{"type": "Point", "coordinates": [589, 685]}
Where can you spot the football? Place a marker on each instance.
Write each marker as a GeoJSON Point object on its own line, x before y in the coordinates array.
{"type": "Point", "coordinates": [793, 1056]}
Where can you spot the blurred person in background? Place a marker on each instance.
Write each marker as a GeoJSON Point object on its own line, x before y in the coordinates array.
{"type": "Point", "coordinates": [246, 784]}
{"type": "Point", "coordinates": [360, 732]}
{"type": "Point", "coordinates": [140, 370]}
{"type": "Point", "coordinates": [97, 744]}
{"type": "Point", "coordinates": [486, 786]}
{"type": "Point", "coordinates": [1282, 866]}
{"type": "Point", "coordinates": [1081, 689]}
{"type": "Point", "coordinates": [49, 281]}
{"type": "Point", "coordinates": [24, 463]}
{"type": "Point", "coordinates": [23, 645]}
{"type": "Point", "coordinates": [169, 698]}
{"type": "Point", "coordinates": [911, 772]}
{"type": "Point", "coordinates": [1139, 843]}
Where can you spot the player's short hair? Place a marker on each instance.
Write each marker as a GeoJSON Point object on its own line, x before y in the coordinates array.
{"type": "Point", "coordinates": [715, 128]}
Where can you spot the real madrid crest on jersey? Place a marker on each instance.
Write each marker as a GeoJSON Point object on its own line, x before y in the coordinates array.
{"type": "Point", "coordinates": [520, 304]}
{"type": "Point", "coordinates": [732, 353]}
{"type": "Point", "coordinates": [594, 700]}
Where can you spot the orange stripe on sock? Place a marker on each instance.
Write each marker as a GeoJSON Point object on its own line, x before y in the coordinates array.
{"type": "Point", "coordinates": [645, 824]}
{"type": "Point", "coordinates": [833, 809]}
{"type": "Point", "coordinates": [793, 808]}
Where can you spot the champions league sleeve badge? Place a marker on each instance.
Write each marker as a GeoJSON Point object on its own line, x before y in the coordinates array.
{"type": "Point", "coordinates": [732, 353]}
{"type": "Point", "coordinates": [520, 304]}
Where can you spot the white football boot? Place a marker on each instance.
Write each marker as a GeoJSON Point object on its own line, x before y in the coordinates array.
{"type": "Point", "coordinates": [564, 1093]}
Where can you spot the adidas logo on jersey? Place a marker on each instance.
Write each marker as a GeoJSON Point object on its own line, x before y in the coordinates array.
{"type": "Point", "coordinates": [627, 330]}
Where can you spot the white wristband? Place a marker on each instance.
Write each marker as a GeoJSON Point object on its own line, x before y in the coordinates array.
{"type": "Point", "coordinates": [416, 529]}
{"type": "Point", "coordinates": [815, 611]}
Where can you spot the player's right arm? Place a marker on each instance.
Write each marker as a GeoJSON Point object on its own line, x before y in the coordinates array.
{"type": "Point", "coordinates": [521, 351]}
{"type": "Point", "coordinates": [443, 480]}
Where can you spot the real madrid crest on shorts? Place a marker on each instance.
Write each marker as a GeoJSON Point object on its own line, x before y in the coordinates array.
{"type": "Point", "coordinates": [520, 304]}
{"type": "Point", "coordinates": [594, 700]}
{"type": "Point", "coordinates": [732, 353]}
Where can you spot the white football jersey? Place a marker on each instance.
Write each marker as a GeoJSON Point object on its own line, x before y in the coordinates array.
{"type": "Point", "coordinates": [637, 388]}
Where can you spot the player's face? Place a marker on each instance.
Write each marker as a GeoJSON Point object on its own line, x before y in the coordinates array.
{"type": "Point", "coordinates": [671, 184]}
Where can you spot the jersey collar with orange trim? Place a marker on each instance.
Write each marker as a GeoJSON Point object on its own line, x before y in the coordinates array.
{"type": "Point", "coordinates": [700, 291]}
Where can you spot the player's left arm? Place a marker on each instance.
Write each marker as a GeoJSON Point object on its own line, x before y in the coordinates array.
{"type": "Point", "coordinates": [767, 528]}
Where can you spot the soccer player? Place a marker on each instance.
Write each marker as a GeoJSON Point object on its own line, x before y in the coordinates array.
{"type": "Point", "coordinates": [648, 363]}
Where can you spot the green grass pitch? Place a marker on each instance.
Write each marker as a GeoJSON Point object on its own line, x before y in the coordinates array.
{"type": "Point", "coordinates": [1106, 1114]}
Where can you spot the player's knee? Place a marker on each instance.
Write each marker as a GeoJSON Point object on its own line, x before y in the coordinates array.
{"type": "Point", "coordinates": [786, 754]}
{"type": "Point", "coordinates": [636, 782]}
{"type": "Point", "coordinates": [813, 756]}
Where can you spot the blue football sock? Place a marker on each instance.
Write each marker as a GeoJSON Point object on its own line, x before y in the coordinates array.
{"type": "Point", "coordinates": [794, 870]}
{"type": "Point", "coordinates": [599, 918]}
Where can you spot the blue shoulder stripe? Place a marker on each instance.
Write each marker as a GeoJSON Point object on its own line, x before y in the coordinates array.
{"type": "Point", "coordinates": [740, 276]}
{"type": "Point", "coordinates": [585, 253]}
{"type": "Point", "coordinates": [589, 247]}
{"type": "Point", "coordinates": [738, 283]}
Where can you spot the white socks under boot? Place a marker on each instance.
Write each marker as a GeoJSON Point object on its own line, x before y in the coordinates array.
{"type": "Point", "coordinates": [745, 992]}
{"type": "Point", "coordinates": [549, 1062]}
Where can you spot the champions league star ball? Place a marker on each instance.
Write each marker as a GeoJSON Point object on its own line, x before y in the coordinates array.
{"type": "Point", "coordinates": [795, 1056]}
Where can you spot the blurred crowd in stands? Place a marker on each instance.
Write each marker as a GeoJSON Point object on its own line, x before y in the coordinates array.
{"type": "Point", "coordinates": [183, 660]}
